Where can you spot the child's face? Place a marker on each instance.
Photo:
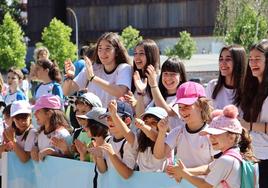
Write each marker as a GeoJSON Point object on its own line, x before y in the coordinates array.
{"type": "Point", "coordinates": [22, 121]}
{"type": "Point", "coordinates": [151, 121]}
{"type": "Point", "coordinates": [114, 130]}
{"type": "Point", "coordinates": [190, 113]}
{"type": "Point", "coordinates": [171, 81]}
{"type": "Point", "coordinates": [41, 117]}
{"type": "Point", "coordinates": [222, 141]}
{"type": "Point", "coordinates": [140, 57]}
{"type": "Point", "coordinates": [12, 79]}
{"type": "Point", "coordinates": [82, 109]}
{"type": "Point", "coordinates": [42, 55]}
{"type": "Point", "coordinates": [106, 53]}
{"type": "Point", "coordinates": [226, 63]}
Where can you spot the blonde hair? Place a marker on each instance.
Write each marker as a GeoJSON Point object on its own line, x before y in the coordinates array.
{"type": "Point", "coordinates": [38, 50]}
{"type": "Point", "coordinates": [206, 108]}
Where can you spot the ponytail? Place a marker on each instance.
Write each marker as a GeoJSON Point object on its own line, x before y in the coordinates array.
{"type": "Point", "coordinates": [246, 146]}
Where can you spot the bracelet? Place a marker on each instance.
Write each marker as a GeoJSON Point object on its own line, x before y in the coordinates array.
{"type": "Point", "coordinates": [141, 93]}
{"type": "Point", "coordinates": [91, 78]}
{"type": "Point", "coordinates": [265, 128]}
{"type": "Point", "coordinates": [250, 126]}
{"type": "Point", "coordinates": [154, 86]}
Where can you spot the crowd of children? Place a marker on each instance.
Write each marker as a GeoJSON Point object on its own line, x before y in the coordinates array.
{"type": "Point", "coordinates": [144, 118]}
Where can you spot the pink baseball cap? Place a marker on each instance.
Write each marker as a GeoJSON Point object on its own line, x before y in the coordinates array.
{"type": "Point", "coordinates": [226, 121]}
{"type": "Point", "coordinates": [48, 101]}
{"type": "Point", "coordinates": [189, 92]}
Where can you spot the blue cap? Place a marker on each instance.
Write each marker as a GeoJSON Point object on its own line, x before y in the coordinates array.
{"type": "Point", "coordinates": [123, 108]}
{"type": "Point", "coordinates": [156, 111]}
{"type": "Point", "coordinates": [25, 71]}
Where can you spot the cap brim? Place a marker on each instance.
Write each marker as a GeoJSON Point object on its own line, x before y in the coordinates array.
{"type": "Point", "coordinates": [157, 115]}
{"type": "Point", "coordinates": [212, 131]}
{"type": "Point", "coordinates": [108, 114]}
{"type": "Point", "coordinates": [82, 116]}
{"type": "Point", "coordinates": [186, 101]}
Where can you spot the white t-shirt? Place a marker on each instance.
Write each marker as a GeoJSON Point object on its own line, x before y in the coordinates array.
{"type": "Point", "coordinates": [224, 97]}
{"type": "Point", "coordinates": [43, 139]}
{"type": "Point", "coordinates": [27, 143]}
{"type": "Point", "coordinates": [25, 87]}
{"type": "Point", "coordinates": [194, 150]}
{"type": "Point", "coordinates": [225, 168]}
{"type": "Point", "coordinates": [260, 140]}
{"type": "Point", "coordinates": [173, 121]}
{"type": "Point", "coordinates": [128, 153]}
{"type": "Point", "coordinates": [146, 160]}
{"type": "Point", "coordinates": [122, 75]}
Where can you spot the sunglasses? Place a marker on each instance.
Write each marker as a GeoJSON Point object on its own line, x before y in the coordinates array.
{"type": "Point", "coordinates": [21, 116]}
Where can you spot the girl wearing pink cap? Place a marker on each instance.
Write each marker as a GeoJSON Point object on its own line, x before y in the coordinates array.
{"type": "Point", "coordinates": [255, 105]}
{"type": "Point", "coordinates": [227, 135]}
{"type": "Point", "coordinates": [53, 123]}
{"type": "Point", "coordinates": [194, 109]}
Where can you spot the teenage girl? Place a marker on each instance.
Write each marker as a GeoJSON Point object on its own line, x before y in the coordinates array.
{"type": "Point", "coordinates": [255, 105]}
{"type": "Point", "coordinates": [110, 75]}
{"type": "Point", "coordinates": [227, 89]}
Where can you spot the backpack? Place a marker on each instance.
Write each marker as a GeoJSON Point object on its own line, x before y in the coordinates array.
{"type": "Point", "coordinates": [248, 175]}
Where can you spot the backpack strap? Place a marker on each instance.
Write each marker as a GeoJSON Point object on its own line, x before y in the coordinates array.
{"type": "Point", "coordinates": [121, 151]}
{"type": "Point", "coordinates": [233, 153]}
{"type": "Point", "coordinates": [77, 133]}
{"type": "Point", "coordinates": [95, 179]}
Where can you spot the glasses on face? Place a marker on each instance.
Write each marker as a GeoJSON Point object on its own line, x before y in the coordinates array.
{"type": "Point", "coordinates": [21, 116]}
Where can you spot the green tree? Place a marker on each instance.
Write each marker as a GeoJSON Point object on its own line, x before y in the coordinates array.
{"type": "Point", "coordinates": [245, 31]}
{"type": "Point", "coordinates": [184, 48]}
{"type": "Point", "coordinates": [130, 37]}
{"type": "Point", "coordinates": [12, 47]}
{"type": "Point", "coordinates": [241, 22]}
{"type": "Point", "coordinates": [56, 37]}
{"type": "Point", "coordinates": [13, 8]}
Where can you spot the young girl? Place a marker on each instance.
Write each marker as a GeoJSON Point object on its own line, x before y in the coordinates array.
{"type": "Point", "coordinates": [143, 143]}
{"type": "Point", "coordinates": [164, 93]}
{"type": "Point", "coordinates": [21, 135]}
{"type": "Point", "coordinates": [14, 78]}
{"type": "Point", "coordinates": [193, 149]}
{"type": "Point", "coordinates": [96, 129]}
{"type": "Point", "coordinates": [227, 89]}
{"type": "Point", "coordinates": [53, 123]}
{"type": "Point", "coordinates": [49, 74]}
{"type": "Point", "coordinates": [110, 76]}
{"type": "Point", "coordinates": [227, 135]}
{"type": "Point", "coordinates": [255, 105]}
{"type": "Point", "coordinates": [146, 53]}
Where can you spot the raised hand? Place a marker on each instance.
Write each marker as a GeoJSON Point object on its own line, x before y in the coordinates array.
{"type": "Point", "coordinates": [139, 123]}
{"type": "Point", "coordinates": [107, 148]}
{"type": "Point", "coordinates": [60, 143]}
{"type": "Point", "coordinates": [34, 154]}
{"type": "Point", "coordinates": [163, 125]}
{"type": "Point", "coordinates": [9, 134]}
{"type": "Point", "coordinates": [112, 107]}
{"type": "Point", "coordinates": [89, 67]}
{"type": "Point", "coordinates": [80, 146]}
{"type": "Point", "coordinates": [139, 84]}
{"type": "Point", "coordinates": [130, 99]}
{"type": "Point", "coordinates": [151, 75]}
{"type": "Point", "coordinates": [69, 69]}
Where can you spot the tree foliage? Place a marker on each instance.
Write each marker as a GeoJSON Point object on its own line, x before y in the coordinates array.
{"type": "Point", "coordinates": [184, 48]}
{"type": "Point", "coordinates": [242, 22]}
{"type": "Point", "coordinates": [130, 37]}
{"type": "Point", "coordinates": [56, 37]}
{"type": "Point", "coordinates": [13, 9]}
{"type": "Point", "coordinates": [12, 47]}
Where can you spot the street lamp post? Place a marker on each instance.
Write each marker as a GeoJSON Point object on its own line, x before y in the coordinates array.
{"type": "Point", "coordinates": [76, 28]}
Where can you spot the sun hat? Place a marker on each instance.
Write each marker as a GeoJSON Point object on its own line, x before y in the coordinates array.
{"type": "Point", "coordinates": [91, 98]}
{"type": "Point", "coordinates": [156, 111]}
{"type": "Point", "coordinates": [20, 107]}
{"type": "Point", "coordinates": [48, 101]}
{"type": "Point", "coordinates": [189, 92]}
{"type": "Point", "coordinates": [226, 121]}
{"type": "Point", "coordinates": [95, 114]}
